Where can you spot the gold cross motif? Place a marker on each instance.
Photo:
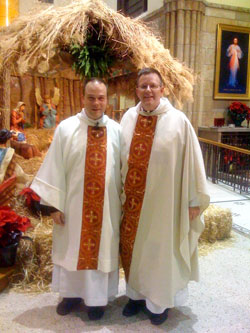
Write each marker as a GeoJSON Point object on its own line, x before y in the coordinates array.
{"type": "Point", "coordinates": [97, 133]}
{"type": "Point", "coordinates": [89, 244]}
{"type": "Point", "coordinates": [132, 203]}
{"type": "Point", "coordinates": [91, 217]}
{"type": "Point", "coordinates": [95, 159]}
{"type": "Point", "coordinates": [134, 177]}
{"type": "Point", "coordinates": [93, 189]}
{"type": "Point", "coordinates": [127, 228]}
{"type": "Point", "coordinates": [145, 122]}
{"type": "Point", "coordinates": [140, 149]}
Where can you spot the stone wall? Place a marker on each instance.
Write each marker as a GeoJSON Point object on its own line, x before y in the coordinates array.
{"type": "Point", "coordinates": [188, 29]}
{"type": "Point", "coordinates": [213, 16]}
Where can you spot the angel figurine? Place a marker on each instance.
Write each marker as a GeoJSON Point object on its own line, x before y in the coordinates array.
{"type": "Point", "coordinates": [48, 113]}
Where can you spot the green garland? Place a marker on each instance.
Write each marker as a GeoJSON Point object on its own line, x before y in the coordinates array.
{"type": "Point", "coordinates": [93, 59]}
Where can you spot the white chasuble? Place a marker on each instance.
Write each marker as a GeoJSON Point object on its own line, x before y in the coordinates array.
{"type": "Point", "coordinates": [80, 176]}
{"type": "Point", "coordinates": [162, 172]}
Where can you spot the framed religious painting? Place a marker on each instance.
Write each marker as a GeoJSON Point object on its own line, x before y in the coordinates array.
{"type": "Point", "coordinates": [232, 63]}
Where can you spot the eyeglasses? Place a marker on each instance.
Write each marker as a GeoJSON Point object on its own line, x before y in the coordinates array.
{"type": "Point", "coordinates": [150, 86]}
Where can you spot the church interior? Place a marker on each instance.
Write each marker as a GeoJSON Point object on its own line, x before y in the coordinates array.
{"type": "Point", "coordinates": [202, 50]}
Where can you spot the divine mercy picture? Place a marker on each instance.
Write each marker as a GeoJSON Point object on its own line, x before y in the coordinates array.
{"type": "Point", "coordinates": [232, 65]}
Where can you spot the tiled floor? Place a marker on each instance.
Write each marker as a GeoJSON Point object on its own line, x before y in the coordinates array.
{"type": "Point", "coordinates": [223, 196]}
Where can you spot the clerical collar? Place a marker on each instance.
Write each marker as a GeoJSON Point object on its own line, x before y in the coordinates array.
{"type": "Point", "coordinates": [93, 122]}
{"type": "Point", "coordinates": [163, 107]}
{"type": "Point", "coordinates": [146, 110]}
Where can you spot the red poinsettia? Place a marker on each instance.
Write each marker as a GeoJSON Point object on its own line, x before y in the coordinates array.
{"type": "Point", "coordinates": [248, 115]}
{"type": "Point", "coordinates": [32, 200]}
{"type": "Point", "coordinates": [238, 111]}
{"type": "Point", "coordinates": [11, 226]}
{"type": "Point", "coordinates": [30, 196]}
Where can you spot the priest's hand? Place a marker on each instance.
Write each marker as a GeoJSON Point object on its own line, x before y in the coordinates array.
{"type": "Point", "coordinates": [193, 212]}
{"type": "Point", "coordinates": [58, 217]}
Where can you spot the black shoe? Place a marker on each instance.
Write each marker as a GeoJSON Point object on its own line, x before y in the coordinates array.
{"type": "Point", "coordinates": [158, 319]}
{"type": "Point", "coordinates": [67, 305]}
{"type": "Point", "coordinates": [95, 312]}
{"type": "Point", "coordinates": [133, 307]}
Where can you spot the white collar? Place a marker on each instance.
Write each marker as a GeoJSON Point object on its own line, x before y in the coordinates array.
{"type": "Point", "coordinates": [93, 122]}
{"type": "Point", "coordinates": [163, 107]}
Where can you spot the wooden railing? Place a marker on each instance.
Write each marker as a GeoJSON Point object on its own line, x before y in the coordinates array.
{"type": "Point", "coordinates": [227, 164]}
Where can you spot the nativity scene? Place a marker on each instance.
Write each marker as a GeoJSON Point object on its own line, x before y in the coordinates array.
{"type": "Point", "coordinates": [72, 70]}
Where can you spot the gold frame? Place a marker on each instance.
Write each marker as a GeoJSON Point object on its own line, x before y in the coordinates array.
{"type": "Point", "coordinates": [230, 96]}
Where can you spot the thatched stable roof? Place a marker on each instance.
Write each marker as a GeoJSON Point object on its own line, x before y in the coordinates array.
{"type": "Point", "coordinates": [35, 42]}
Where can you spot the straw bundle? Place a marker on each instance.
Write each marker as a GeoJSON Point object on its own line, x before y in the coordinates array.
{"type": "Point", "coordinates": [34, 264]}
{"type": "Point", "coordinates": [218, 224]}
{"type": "Point", "coordinates": [37, 41]}
{"type": "Point", "coordinates": [41, 138]}
{"type": "Point", "coordinates": [30, 166]}
{"type": "Point", "coordinates": [206, 247]}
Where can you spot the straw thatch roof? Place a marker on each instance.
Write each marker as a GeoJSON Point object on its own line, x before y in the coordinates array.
{"type": "Point", "coordinates": [36, 42]}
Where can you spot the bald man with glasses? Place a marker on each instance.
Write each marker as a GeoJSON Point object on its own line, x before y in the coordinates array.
{"type": "Point", "coordinates": [164, 194]}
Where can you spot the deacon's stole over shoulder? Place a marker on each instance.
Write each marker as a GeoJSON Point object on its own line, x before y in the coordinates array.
{"type": "Point", "coordinates": [135, 185]}
{"type": "Point", "coordinates": [93, 198]}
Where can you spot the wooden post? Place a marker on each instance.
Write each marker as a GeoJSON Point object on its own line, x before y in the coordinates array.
{"type": "Point", "coordinates": [71, 97]}
{"type": "Point", "coordinates": [42, 89]}
{"type": "Point", "coordinates": [65, 93]}
{"type": "Point", "coordinates": [76, 96]}
{"type": "Point", "coordinates": [36, 111]}
{"type": "Point", "coordinates": [5, 98]}
{"type": "Point", "coordinates": [81, 94]}
{"type": "Point", "coordinates": [21, 88]}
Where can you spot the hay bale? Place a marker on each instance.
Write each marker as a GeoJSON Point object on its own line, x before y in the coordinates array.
{"type": "Point", "coordinates": [34, 264]}
{"type": "Point", "coordinates": [31, 165]}
{"type": "Point", "coordinates": [218, 224]}
{"type": "Point", "coordinates": [40, 138]}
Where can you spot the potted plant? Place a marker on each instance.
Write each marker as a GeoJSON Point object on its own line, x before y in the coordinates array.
{"type": "Point", "coordinates": [238, 112]}
{"type": "Point", "coordinates": [11, 228]}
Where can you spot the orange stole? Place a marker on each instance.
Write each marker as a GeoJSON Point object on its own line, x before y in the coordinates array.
{"type": "Point", "coordinates": [93, 198]}
{"type": "Point", "coordinates": [135, 185]}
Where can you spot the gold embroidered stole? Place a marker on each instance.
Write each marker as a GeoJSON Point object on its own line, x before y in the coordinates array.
{"type": "Point", "coordinates": [93, 198]}
{"type": "Point", "coordinates": [135, 185]}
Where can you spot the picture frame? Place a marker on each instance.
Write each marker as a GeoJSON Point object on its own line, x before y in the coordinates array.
{"type": "Point", "coordinates": [232, 63]}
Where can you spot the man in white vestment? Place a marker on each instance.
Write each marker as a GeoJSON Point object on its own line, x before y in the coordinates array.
{"type": "Point", "coordinates": [80, 180]}
{"type": "Point", "coordinates": [164, 194]}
